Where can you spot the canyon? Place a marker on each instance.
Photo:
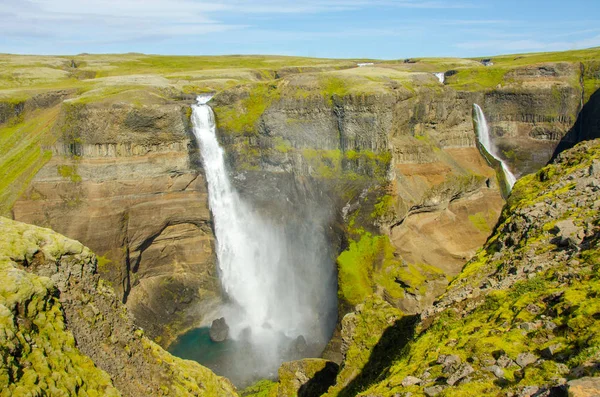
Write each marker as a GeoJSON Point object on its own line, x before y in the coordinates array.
{"type": "Point", "coordinates": [382, 159]}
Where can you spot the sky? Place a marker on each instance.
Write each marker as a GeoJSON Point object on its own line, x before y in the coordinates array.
{"type": "Point", "coordinates": [378, 29]}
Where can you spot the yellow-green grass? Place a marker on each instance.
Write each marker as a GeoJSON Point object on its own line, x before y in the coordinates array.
{"type": "Point", "coordinates": [22, 154]}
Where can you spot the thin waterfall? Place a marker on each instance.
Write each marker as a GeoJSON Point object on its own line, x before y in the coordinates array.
{"type": "Point", "coordinates": [274, 276]}
{"type": "Point", "coordinates": [483, 135]}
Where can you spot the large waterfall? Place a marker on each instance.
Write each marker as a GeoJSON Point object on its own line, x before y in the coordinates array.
{"type": "Point", "coordinates": [483, 135]}
{"type": "Point", "coordinates": [280, 290]}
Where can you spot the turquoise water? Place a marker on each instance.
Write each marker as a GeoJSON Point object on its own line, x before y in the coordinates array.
{"type": "Point", "coordinates": [196, 345]}
{"type": "Point", "coordinates": [239, 361]}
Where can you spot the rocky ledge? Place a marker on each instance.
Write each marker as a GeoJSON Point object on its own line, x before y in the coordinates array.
{"type": "Point", "coordinates": [63, 331]}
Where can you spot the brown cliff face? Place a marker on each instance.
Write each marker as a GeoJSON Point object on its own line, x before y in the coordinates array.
{"type": "Point", "coordinates": [124, 180]}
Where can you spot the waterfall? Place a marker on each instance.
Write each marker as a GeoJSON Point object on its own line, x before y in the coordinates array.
{"type": "Point", "coordinates": [274, 275]}
{"type": "Point", "coordinates": [441, 77]}
{"type": "Point", "coordinates": [483, 135]}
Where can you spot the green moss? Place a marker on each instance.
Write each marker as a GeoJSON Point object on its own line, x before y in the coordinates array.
{"type": "Point", "coordinates": [69, 172]}
{"type": "Point", "coordinates": [49, 361]}
{"type": "Point", "coordinates": [22, 154]}
{"type": "Point", "coordinates": [332, 86]}
{"type": "Point", "coordinates": [477, 79]}
{"type": "Point", "coordinates": [384, 206]}
{"type": "Point", "coordinates": [479, 220]}
{"type": "Point", "coordinates": [323, 163]}
{"type": "Point", "coordinates": [103, 263]}
{"type": "Point", "coordinates": [242, 118]}
{"type": "Point", "coordinates": [282, 145]}
{"type": "Point", "coordinates": [355, 268]}
{"type": "Point", "coordinates": [263, 388]}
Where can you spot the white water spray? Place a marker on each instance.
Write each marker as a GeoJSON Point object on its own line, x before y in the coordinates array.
{"type": "Point", "coordinates": [278, 287]}
{"type": "Point", "coordinates": [441, 77]}
{"type": "Point", "coordinates": [483, 135]}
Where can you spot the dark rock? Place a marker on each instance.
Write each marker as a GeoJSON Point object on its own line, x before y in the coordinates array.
{"type": "Point", "coordinates": [550, 351]}
{"type": "Point", "coordinates": [527, 326]}
{"type": "Point", "coordinates": [219, 330]}
{"type": "Point", "coordinates": [568, 234]}
{"type": "Point", "coordinates": [299, 345]}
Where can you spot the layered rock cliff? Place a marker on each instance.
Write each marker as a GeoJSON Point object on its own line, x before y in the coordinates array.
{"type": "Point", "coordinates": [125, 180]}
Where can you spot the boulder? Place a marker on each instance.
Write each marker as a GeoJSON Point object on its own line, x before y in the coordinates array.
{"type": "Point", "coordinates": [299, 346]}
{"type": "Point", "coordinates": [568, 234]}
{"type": "Point", "coordinates": [410, 380]}
{"type": "Point", "coordinates": [584, 387]}
{"type": "Point", "coordinates": [496, 370]}
{"type": "Point", "coordinates": [462, 372]}
{"type": "Point", "coordinates": [524, 359]}
{"type": "Point", "coordinates": [219, 330]}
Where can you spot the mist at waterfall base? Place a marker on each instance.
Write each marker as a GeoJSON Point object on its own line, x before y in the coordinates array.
{"type": "Point", "coordinates": [483, 135]}
{"type": "Point", "coordinates": [278, 277]}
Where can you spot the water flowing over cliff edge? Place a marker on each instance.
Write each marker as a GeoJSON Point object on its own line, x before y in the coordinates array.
{"type": "Point", "coordinates": [280, 285]}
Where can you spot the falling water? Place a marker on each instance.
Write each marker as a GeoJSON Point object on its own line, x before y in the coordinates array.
{"type": "Point", "coordinates": [441, 77]}
{"type": "Point", "coordinates": [280, 286]}
{"type": "Point", "coordinates": [483, 135]}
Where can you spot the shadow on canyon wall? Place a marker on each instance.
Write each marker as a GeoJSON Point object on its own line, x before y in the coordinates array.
{"type": "Point", "coordinates": [389, 348]}
{"type": "Point", "coordinates": [586, 127]}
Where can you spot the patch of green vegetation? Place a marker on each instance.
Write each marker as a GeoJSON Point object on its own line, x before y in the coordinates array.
{"type": "Point", "coordinates": [22, 155]}
{"type": "Point", "coordinates": [368, 163]}
{"type": "Point", "coordinates": [241, 119]}
{"type": "Point", "coordinates": [384, 206]}
{"type": "Point", "coordinates": [103, 263]}
{"type": "Point", "coordinates": [324, 163]}
{"type": "Point", "coordinates": [281, 145]}
{"type": "Point", "coordinates": [480, 222]}
{"type": "Point", "coordinates": [69, 172]}
{"type": "Point", "coordinates": [378, 331]}
{"type": "Point", "coordinates": [477, 79]}
{"type": "Point", "coordinates": [355, 267]}
{"type": "Point", "coordinates": [332, 86]}
{"type": "Point", "coordinates": [263, 388]}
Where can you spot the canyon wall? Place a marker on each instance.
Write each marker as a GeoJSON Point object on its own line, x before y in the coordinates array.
{"type": "Point", "coordinates": [388, 157]}
{"type": "Point", "coordinates": [126, 180]}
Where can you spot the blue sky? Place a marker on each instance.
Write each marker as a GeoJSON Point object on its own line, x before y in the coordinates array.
{"type": "Point", "coordinates": [384, 29]}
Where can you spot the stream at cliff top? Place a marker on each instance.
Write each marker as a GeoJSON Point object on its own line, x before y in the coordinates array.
{"type": "Point", "coordinates": [278, 278]}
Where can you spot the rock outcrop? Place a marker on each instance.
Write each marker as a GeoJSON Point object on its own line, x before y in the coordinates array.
{"type": "Point", "coordinates": [520, 319]}
{"type": "Point", "coordinates": [64, 331]}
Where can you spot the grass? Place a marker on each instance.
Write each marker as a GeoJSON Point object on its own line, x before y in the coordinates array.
{"type": "Point", "coordinates": [242, 119]}
{"type": "Point", "coordinates": [22, 154]}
